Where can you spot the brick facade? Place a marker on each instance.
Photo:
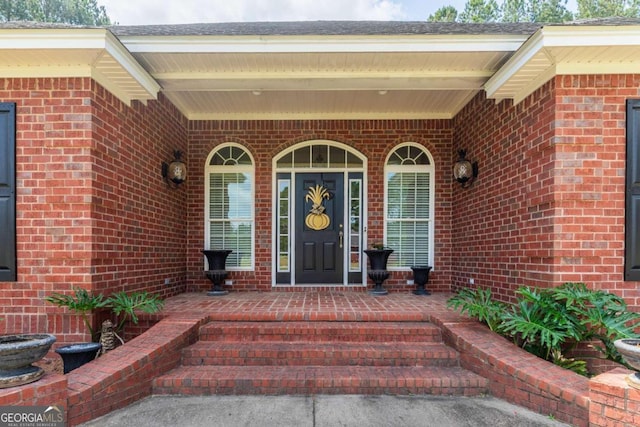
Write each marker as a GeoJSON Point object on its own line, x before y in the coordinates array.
{"type": "Point", "coordinates": [93, 211]}
{"type": "Point", "coordinates": [265, 139]}
{"type": "Point", "coordinates": [548, 206]}
{"type": "Point", "coordinates": [92, 208]}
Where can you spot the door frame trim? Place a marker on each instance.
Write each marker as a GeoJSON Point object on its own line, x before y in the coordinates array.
{"type": "Point", "coordinates": [274, 215]}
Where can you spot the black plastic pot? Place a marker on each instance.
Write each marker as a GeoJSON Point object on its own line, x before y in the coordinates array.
{"type": "Point", "coordinates": [76, 355]}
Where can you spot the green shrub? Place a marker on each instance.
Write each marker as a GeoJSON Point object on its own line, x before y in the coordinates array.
{"type": "Point", "coordinates": [478, 303]}
{"type": "Point", "coordinates": [550, 322]}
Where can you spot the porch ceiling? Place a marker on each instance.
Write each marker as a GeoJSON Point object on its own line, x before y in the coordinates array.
{"type": "Point", "coordinates": [354, 80]}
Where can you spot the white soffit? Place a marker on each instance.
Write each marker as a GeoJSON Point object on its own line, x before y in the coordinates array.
{"type": "Point", "coordinates": [566, 50]}
{"type": "Point", "coordinates": [93, 52]}
{"type": "Point", "coordinates": [323, 77]}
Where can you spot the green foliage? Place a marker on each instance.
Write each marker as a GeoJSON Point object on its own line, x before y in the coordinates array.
{"type": "Point", "coordinates": [538, 323]}
{"type": "Point", "coordinates": [123, 305]}
{"type": "Point", "coordinates": [480, 11]}
{"type": "Point", "coordinates": [77, 12]}
{"type": "Point", "coordinates": [444, 14]}
{"type": "Point", "coordinates": [479, 304]}
{"type": "Point", "coordinates": [127, 304]}
{"type": "Point", "coordinates": [549, 322]}
{"type": "Point", "coordinates": [606, 8]}
{"type": "Point", "coordinates": [577, 366]}
{"type": "Point", "coordinates": [81, 302]}
{"type": "Point", "coordinates": [551, 11]}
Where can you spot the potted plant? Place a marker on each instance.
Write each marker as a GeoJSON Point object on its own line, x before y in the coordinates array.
{"type": "Point", "coordinates": [378, 257]}
{"type": "Point", "coordinates": [122, 305]}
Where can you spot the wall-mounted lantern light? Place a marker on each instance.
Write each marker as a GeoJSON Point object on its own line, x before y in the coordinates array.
{"type": "Point", "coordinates": [464, 171]}
{"type": "Point", "coordinates": [176, 171]}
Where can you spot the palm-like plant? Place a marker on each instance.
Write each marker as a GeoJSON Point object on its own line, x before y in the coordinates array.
{"type": "Point", "coordinates": [123, 305]}
{"type": "Point", "coordinates": [127, 304]}
{"type": "Point", "coordinates": [81, 302]}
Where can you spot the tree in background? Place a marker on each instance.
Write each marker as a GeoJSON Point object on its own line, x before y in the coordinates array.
{"type": "Point", "coordinates": [480, 11]}
{"type": "Point", "coordinates": [516, 11]}
{"type": "Point", "coordinates": [77, 12]}
{"type": "Point", "coordinates": [444, 14]}
{"type": "Point", "coordinates": [550, 11]}
{"type": "Point", "coordinates": [536, 11]}
{"type": "Point", "coordinates": [606, 8]}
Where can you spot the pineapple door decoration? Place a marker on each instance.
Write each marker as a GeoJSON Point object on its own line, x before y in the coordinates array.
{"type": "Point", "coordinates": [317, 219]}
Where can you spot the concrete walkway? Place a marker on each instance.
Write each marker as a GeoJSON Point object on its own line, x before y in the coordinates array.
{"type": "Point", "coordinates": [322, 411]}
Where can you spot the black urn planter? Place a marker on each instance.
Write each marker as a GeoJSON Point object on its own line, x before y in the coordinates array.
{"type": "Point", "coordinates": [217, 259]}
{"type": "Point", "coordinates": [76, 355]}
{"type": "Point", "coordinates": [378, 273]}
{"type": "Point", "coordinates": [421, 278]}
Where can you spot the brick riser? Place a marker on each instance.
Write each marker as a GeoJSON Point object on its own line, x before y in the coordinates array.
{"type": "Point", "coordinates": [304, 380]}
{"type": "Point", "coordinates": [319, 354]}
{"type": "Point", "coordinates": [321, 331]}
{"type": "Point", "coordinates": [294, 358]}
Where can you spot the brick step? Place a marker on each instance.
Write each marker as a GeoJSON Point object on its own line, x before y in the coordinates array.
{"type": "Point", "coordinates": [321, 331]}
{"type": "Point", "coordinates": [304, 380]}
{"type": "Point", "coordinates": [319, 354]}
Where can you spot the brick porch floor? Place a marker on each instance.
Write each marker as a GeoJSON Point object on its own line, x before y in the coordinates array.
{"type": "Point", "coordinates": [310, 306]}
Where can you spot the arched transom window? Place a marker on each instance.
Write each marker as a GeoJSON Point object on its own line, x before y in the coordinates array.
{"type": "Point", "coordinates": [409, 195]}
{"type": "Point", "coordinates": [229, 204]}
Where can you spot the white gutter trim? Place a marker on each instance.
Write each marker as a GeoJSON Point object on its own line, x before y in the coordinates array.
{"type": "Point", "coordinates": [245, 44]}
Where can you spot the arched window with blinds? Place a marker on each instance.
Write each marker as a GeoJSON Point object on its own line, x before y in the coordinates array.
{"type": "Point", "coordinates": [229, 204]}
{"type": "Point", "coordinates": [409, 207]}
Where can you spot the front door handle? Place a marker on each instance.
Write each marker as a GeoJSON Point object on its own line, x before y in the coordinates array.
{"type": "Point", "coordinates": [340, 235]}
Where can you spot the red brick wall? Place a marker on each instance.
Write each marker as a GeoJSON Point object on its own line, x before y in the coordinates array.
{"type": "Point", "coordinates": [614, 403]}
{"type": "Point", "coordinates": [265, 139]}
{"type": "Point", "coordinates": [92, 209]}
{"type": "Point", "coordinates": [590, 160]}
{"type": "Point", "coordinates": [548, 206]}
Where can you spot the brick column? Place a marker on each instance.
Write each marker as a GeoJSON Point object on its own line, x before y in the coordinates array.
{"type": "Point", "coordinates": [614, 403]}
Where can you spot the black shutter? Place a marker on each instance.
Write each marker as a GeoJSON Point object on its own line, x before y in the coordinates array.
{"type": "Point", "coordinates": [7, 192]}
{"type": "Point", "coordinates": [632, 215]}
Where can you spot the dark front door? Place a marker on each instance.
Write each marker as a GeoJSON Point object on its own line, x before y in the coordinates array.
{"type": "Point", "coordinates": [319, 228]}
